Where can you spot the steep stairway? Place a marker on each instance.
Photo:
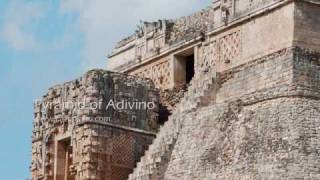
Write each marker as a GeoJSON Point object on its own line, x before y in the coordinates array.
{"type": "Point", "coordinates": [153, 164]}
{"type": "Point", "coordinates": [200, 92]}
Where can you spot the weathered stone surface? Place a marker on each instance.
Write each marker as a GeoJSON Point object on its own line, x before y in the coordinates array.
{"type": "Point", "coordinates": [170, 98]}
{"type": "Point", "coordinates": [268, 132]}
{"type": "Point", "coordinates": [250, 109]}
{"type": "Point", "coordinates": [90, 142]}
{"type": "Point", "coordinates": [276, 139]}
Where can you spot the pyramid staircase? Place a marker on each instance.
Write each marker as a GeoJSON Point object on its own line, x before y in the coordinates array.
{"type": "Point", "coordinates": [200, 93]}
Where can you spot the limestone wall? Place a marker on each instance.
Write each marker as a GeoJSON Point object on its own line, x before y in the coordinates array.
{"type": "Point", "coordinates": [160, 72]}
{"type": "Point", "coordinates": [265, 129]}
{"type": "Point", "coordinates": [307, 24]}
{"type": "Point", "coordinates": [124, 58]}
{"type": "Point", "coordinates": [102, 152]}
{"type": "Point", "coordinates": [250, 112]}
{"type": "Point", "coordinates": [242, 7]}
{"type": "Point", "coordinates": [155, 38]}
{"type": "Point", "coordinates": [292, 71]}
{"type": "Point", "coordinates": [306, 68]}
{"type": "Point", "coordinates": [272, 71]}
{"type": "Point", "coordinates": [77, 135]}
{"type": "Point", "coordinates": [190, 27]}
{"type": "Point", "coordinates": [149, 39]}
{"type": "Point", "coordinates": [276, 139]}
{"type": "Point", "coordinates": [249, 40]}
{"type": "Point", "coordinates": [237, 45]}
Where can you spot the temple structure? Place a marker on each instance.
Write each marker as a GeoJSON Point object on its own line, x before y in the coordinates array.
{"type": "Point", "coordinates": [237, 86]}
{"type": "Point", "coordinates": [82, 129]}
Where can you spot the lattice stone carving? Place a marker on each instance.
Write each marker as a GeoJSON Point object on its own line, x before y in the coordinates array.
{"type": "Point", "coordinates": [230, 47]}
{"type": "Point", "coordinates": [224, 49]}
{"type": "Point", "coordinates": [122, 150]}
{"type": "Point", "coordinates": [208, 56]}
{"type": "Point", "coordinates": [146, 73]}
{"type": "Point", "coordinates": [159, 73]}
{"type": "Point", "coordinates": [73, 143]}
{"type": "Point", "coordinates": [120, 173]}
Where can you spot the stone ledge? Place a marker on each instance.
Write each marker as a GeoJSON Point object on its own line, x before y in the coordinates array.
{"type": "Point", "coordinates": [140, 131]}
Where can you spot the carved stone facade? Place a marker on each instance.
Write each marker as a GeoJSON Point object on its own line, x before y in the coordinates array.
{"type": "Point", "coordinates": [160, 73]}
{"type": "Point", "coordinates": [239, 99]}
{"type": "Point", "coordinates": [217, 37]}
{"type": "Point", "coordinates": [77, 135]}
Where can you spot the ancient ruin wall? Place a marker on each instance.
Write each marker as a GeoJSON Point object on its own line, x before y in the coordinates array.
{"type": "Point", "coordinates": [273, 72]}
{"type": "Point", "coordinates": [158, 38]}
{"type": "Point", "coordinates": [75, 138]}
{"type": "Point", "coordinates": [269, 62]}
{"type": "Point", "coordinates": [289, 72]}
{"type": "Point", "coordinates": [221, 50]}
{"type": "Point", "coordinates": [160, 72]}
{"type": "Point", "coordinates": [251, 39]}
{"type": "Point", "coordinates": [270, 132]}
{"type": "Point", "coordinates": [275, 139]}
{"type": "Point", "coordinates": [307, 24]}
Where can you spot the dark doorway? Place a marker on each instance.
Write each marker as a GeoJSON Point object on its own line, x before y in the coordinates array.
{"type": "Point", "coordinates": [189, 68]}
{"type": "Point", "coordinates": [184, 67]}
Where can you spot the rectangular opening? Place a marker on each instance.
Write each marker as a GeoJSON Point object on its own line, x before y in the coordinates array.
{"type": "Point", "coordinates": [63, 160]}
{"type": "Point", "coordinates": [189, 68]}
{"type": "Point", "coordinates": [184, 67]}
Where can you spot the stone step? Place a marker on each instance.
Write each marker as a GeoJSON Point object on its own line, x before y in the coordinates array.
{"type": "Point", "coordinates": [158, 152]}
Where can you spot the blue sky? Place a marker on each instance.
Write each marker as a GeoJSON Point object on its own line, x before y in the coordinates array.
{"type": "Point", "coordinates": [43, 43]}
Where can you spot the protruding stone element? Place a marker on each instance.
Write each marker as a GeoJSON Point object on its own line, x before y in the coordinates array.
{"type": "Point", "coordinates": [239, 99]}
{"type": "Point", "coordinates": [79, 134]}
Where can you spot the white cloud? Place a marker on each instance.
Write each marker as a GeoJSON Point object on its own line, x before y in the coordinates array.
{"type": "Point", "coordinates": [105, 22]}
{"type": "Point", "coordinates": [16, 30]}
